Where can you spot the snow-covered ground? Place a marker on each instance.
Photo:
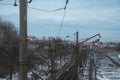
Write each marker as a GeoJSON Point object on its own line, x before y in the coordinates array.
{"type": "Point", "coordinates": [14, 77]}
{"type": "Point", "coordinates": [106, 69]}
{"type": "Point", "coordinates": [41, 72]}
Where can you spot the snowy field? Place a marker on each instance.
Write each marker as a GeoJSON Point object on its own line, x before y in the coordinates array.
{"type": "Point", "coordinates": [107, 70]}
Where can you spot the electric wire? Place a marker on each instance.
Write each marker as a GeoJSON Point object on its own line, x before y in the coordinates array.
{"type": "Point", "coordinates": [61, 25]}
{"type": "Point", "coordinates": [15, 4]}
{"type": "Point", "coordinates": [63, 19]}
{"type": "Point", "coordinates": [45, 10]}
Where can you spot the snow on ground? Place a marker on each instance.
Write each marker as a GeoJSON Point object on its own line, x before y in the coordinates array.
{"type": "Point", "coordinates": [14, 77]}
{"type": "Point", "coordinates": [62, 62]}
{"type": "Point", "coordinates": [42, 71]}
{"type": "Point", "coordinates": [107, 70]}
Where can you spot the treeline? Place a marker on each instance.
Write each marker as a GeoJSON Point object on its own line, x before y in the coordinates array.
{"type": "Point", "coordinates": [9, 49]}
{"type": "Point", "coordinates": [117, 47]}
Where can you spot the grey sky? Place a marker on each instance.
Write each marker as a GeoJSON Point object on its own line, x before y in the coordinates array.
{"type": "Point", "coordinates": [89, 17]}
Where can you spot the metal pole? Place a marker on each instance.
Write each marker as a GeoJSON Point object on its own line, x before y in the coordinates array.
{"type": "Point", "coordinates": [77, 56]}
{"type": "Point", "coordinates": [52, 55]}
{"type": "Point", "coordinates": [22, 43]}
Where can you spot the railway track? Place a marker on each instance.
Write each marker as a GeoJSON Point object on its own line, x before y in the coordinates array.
{"type": "Point", "coordinates": [68, 75]}
{"type": "Point", "coordinates": [113, 61]}
{"type": "Point", "coordinates": [108, 66]}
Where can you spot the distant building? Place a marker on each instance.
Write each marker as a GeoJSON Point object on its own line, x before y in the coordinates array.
{"type": "Point", "coordinates": [31, 38]}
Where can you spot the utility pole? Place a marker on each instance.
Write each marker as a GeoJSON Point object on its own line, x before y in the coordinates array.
{"type": "Point", "coordinates": [52, 56]}
{"type": "Point", "coordinates": [77, 56]}
{"type": "Point", "coordinates": [23, 39]}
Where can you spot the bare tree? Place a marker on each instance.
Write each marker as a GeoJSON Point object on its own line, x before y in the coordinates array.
{"type": "Point", "coordinates": [9, 50]}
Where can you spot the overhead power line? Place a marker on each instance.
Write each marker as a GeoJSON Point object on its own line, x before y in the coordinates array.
{"type": "Point", "coordinates": [15, 4]}
{"type": "Point", "coordinates": [61, 25]}
{"type": "Point", "coordinates": [49, 10]}
{"type": "Point", "coordinates": [64, 8]}
{"type": "Point", "coordinates": [46, 10]}
{"type": "Point", "coordinates": [66, 4]}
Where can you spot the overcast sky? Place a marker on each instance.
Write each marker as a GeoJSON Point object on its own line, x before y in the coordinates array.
{"type": "Point", "coordinates": [89, 17]}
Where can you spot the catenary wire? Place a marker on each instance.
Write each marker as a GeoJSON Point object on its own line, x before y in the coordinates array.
{"type": "Point", "coordinates": [61, 25]}
{"type": "Point", "coordinates": [45, 10]}
{"type": "Point", "coordinates": [62, 22]}
{"type": "Point", "coordinates": [36, 8]}
{"type": "Point", "coordinates": [63, 19]}
{"type": "Point", "coordinates": [15, 4]}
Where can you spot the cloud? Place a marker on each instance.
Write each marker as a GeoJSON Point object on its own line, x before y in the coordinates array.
{"type": "Point", "coordinates": [89, 17]}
